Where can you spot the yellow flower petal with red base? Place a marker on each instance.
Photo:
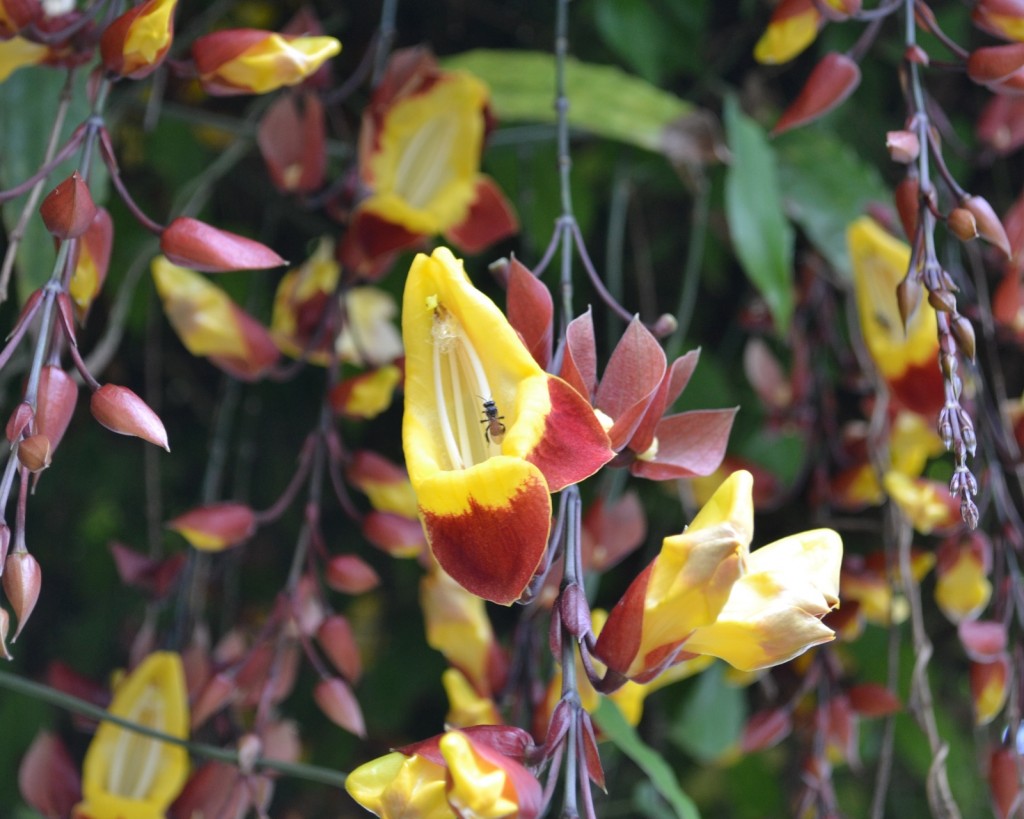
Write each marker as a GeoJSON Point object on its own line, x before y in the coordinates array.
{"type": "Point", "coordinates": [130, 776]}
{"type": "Point", "coordinates": [906, 358]}
{"type": "Point", "coordinates": [487, 433]}
{"type": "Point", "coordinates": [18, 52]}
{"type": "Point", "coordinates": [425, 164]}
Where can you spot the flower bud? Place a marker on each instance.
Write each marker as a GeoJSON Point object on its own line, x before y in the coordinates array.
{"type": "Point", "coordinates": [55, 403]}
{"type": "Point", "coordinates": [136, 43]}
{"type": "Point", "coordinates": [992, 64]}
{"type": "Point", "coordinates": [908, 298]}
{"type": "Point", "coordinates": [350, 574]}
{"type": "Point", "coordinates": [68, 210]}
{"type": "Point", "coordinates": [903, 146]}
{"type": "Point", "coordinates": [250, 61]}
{"type": "Point", "coordinates": [5, 542]}
{"type": "Point", "coordinates": [963, 332]}
{"type": "Point", "coordinates": [990, 686]}
{"type": "Point", "coordinates": [962, 224]}
{"type": "Point", "coordinates": [830, 83]}
{"type": "Point", "coordinates": [990, 228]}
{"type": "Point", "coordinates": [338, 643]}
{"type": "Point", "coordinates": [908, 204]}
{"type": "Point", "coordinates": [336, 700]}
{"type": "Point", "coordinates": [120, 410]}
{"type": "Point", "coordinates": [942, 300]}
{"type": "Point", "coordinates": [34, 453]}
{"type": "Point", "coordinates": [216, 526]}
{"type": "Point", "coordinates": [22, 581]}
{"type": "Point", "coordinates": [916, 55]}
{"type": "Point", "coordinates": [196, 245]}
{"type": "Point", "coordinates": [93, 261]}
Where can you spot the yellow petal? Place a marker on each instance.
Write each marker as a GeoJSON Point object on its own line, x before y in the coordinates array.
{"type": "Point", "coordinates": [478, 787]}
{"type": "Point", "coordinates": [130, 776]}
{"type": "Point", "coordinates": [880, 262]}
{"type": "Point", "coordinates": [18, 52]}
{"type": "Point", "coordinates": [963, 591]}
{"type": "Point", "coordinates": [201, 313]}
{"type": "Point", "coordinates": [395, 785]}
{"type": "Point", "coordinates": [786, 38]}
{"type": "Point", "coordinates": [150, 33]}
{"type": "Point", "coordinates": [276, 62]}
{"type": "Point", "coordinates": [467, 707]}
{"type": "Point", "coordinates": [774, 612]}
{"type": "Point", "coordinates": [458, 626]}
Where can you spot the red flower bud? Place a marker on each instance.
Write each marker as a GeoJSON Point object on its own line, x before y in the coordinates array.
{"type": "Point", "coordinates": [766, 729]}
{"type": "Point", "coordinates": [989, 227]}
{"type": "Point", "coordinates": [196, 245]}
{"type": "Point", "coordinates": [830, 83]}
{"type": "Point", "coordinates": [338, 703]}
{"type": "Point", "coordinates": [5, 627]}
{"type": "Point", "coordinates": [22, 580]}
{"type": "Point", "coordinates": [68, 210]}
{"type": "Point", "coordinates": [395, 534]}
{"type": "Point", "coordinates": [962, 224]}
{"type": "Point", "coordinates": [55, 403]}
{"type": "Point", "coordinates": [215, 526]}
{"type": "Point", "coordinates": [120, 410]}
{"type": "Point", "coordinates": [48, 778]}
{"type": "Point", "coordinates": [350, 574]}
{"type": "Point", "coordinates": [338, 643]}
{"type": "Point", "coordinates": [983, 640]}
{"type": "Point", "coordinates": [995, 63]}
{"type": "Point", "coordinates": [908, 204]}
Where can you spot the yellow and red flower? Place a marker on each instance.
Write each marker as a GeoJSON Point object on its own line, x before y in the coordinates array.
{"type": "Point", "coordinates": [419, 162]}
{"type": "Point", "coordinates": [794, 25]}
{"type": "Point", "coordinates": [130, 776]}
{"type": "Point", "coordinates": [17, 52]}
{"type": "Point", "coordinates": [16, 15]}
{"type": "Point", "coordinates": [472, 772]}
{"type": "Point", "coordinates": [705, 593]}
{"type": "Point", "coordinates": [488, 435]}
{"type": "Point", "coordinates": [136, 43]}
{"type": "Point", "coordinates": [211, 325]}
{"type": "Point", "coordinates": [906, 357]}
{"type": "Point", "coordinates": [252, 61]}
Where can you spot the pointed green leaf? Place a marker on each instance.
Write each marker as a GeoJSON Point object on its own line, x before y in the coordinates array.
{"type": "Point", "coordinates": [761, 234]}
{"type": "Point", "coordinates": [613, 725]}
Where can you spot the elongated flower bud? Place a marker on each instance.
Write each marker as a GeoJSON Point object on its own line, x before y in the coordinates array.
{"type": "Point", "coordinates": [22, 580]}
{"type": "Point", "coordinates": [120, 410]}
{"type": "Point", "coordinates": [68, 210]}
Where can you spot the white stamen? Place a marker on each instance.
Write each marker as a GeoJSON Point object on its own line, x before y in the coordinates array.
{"type": "Point", "coordinates": [477, 368]}
{"type": "Point", "coordinates": [135, 759]}
{"type": "Point", "coordinates": [446, 428]}
{"type": "Point", "coordinates": [465, 448]}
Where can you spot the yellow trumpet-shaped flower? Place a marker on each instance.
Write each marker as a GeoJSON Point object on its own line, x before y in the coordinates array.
{"type": "Point", "coordinates": [705, 593]}
{"type": "Point", "coordinates": [487, 433]}
{"type": "Point", "coordinates": [130, 776]}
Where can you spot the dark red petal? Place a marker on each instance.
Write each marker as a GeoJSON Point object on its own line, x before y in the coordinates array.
{"type": "Point", "coordinates": [689, 444]}
{"type": "Point", "coordinates": [211, 51]}
{"type": "Point", "coordinates": [630, 381]}
{"type": "Point", "coordinates": [530, 311]}
{"type": "Point", "coordinates": [620, 638]}
{"type": "Point", "coordinates": [830, 83]}
{"type": "Point", "coordinates": [491, 218]}
{"type": "Point", "coordinates": [370, 242]}
{"type": "Point", "coordinates": [671, 387]}
{"type": "Point", "coordinates": [48, 778]}
{"type": "Point", "coordinates": [574, 445]}
{"type": "Point", "coordinates": [579, 366]}
{"type": "Point", "coordinates": [766, 729]}
{"type": "Point", "coordinates": [494, 552]}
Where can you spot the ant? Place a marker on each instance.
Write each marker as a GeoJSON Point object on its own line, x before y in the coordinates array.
{"type": "Point", "coordinates": [494, 432]}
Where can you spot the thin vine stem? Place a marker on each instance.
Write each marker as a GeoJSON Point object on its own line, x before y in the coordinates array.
{"type": "Point", "coordinates": [68, 702]}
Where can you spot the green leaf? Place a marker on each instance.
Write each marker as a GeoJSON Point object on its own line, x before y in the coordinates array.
{"type": "Point", "coordinates": [624, 23]}
{"type": "Point", "coordinates": [712, 717]}
{"type": "Point", "coordinates": [825, 186]}
{"type": "Point", "coordinates": [602, 99]}
{"type": "Point", "coordinates": [614, 726]}
{"type": "Point", "coordinates": [34, 93]}
{"type": "Point", "coordinates": [762, 236]}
